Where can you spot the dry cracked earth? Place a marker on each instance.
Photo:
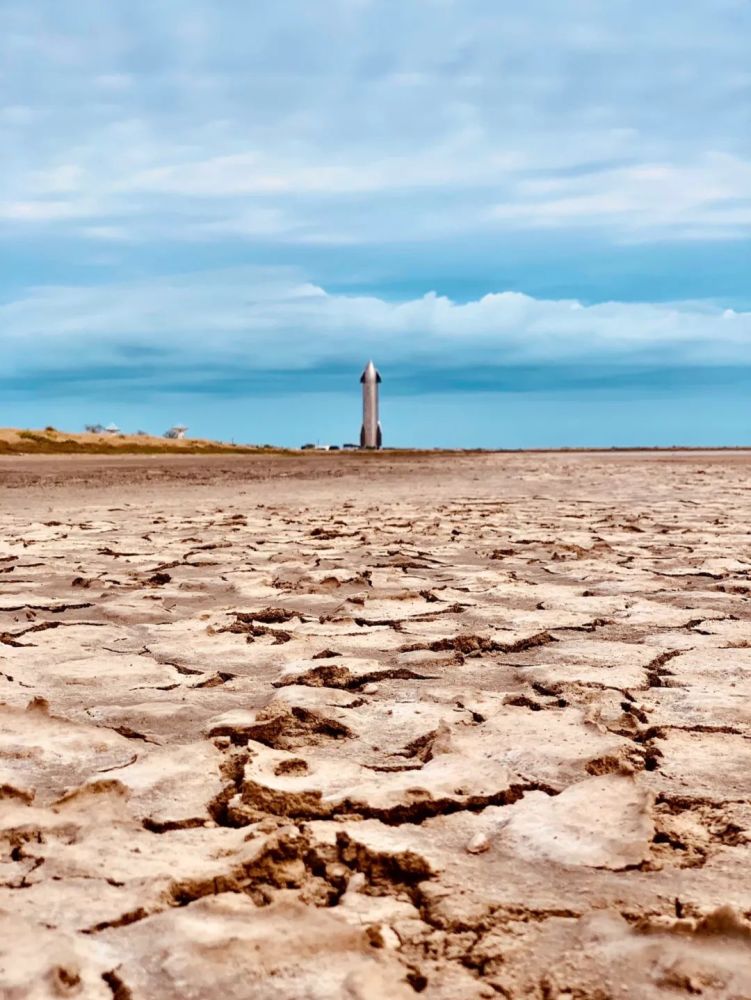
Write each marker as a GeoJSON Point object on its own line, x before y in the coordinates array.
{"type": "Point", "coordinates": [360, 727]}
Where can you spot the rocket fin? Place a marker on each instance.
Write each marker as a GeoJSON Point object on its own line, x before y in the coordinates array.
{"type": "Point", "coordinates": [379, 437]}
{"type": "Point", "coordinates": [362, 436]}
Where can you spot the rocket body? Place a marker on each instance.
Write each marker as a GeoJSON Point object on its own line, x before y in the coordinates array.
{"type": "Point", "coordinates": [370, 434]}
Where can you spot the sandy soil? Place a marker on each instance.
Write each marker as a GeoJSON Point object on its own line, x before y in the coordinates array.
{"type": "Point", "coordinates": [363, 727]}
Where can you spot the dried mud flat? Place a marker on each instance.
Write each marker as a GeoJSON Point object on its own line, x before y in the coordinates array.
{"type": "Point", "coordinates": [369, 727]}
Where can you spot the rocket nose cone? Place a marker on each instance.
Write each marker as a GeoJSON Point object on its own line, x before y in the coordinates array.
{"type": "Point", "coordinates": [370, 374]}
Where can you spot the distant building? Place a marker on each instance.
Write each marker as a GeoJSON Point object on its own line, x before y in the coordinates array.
{"type": "Point", "coordinates": [111, 429]}
{"type": "Point", "coordinates": [176, 433]}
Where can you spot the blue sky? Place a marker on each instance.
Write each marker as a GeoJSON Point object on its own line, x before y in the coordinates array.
{"type": "Point", "coordinates": [535, 218]}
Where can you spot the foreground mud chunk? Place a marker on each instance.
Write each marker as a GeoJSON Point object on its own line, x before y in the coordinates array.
{"type": "Point", "coordinates": [310, 786]}
{"type": "Point", "coordinates": [547, 749]}
{"type": "Point", "coordinates": [294, 716]}
{"type": "Point", "coordinates": [88, 862]}
{"type": "Point", "coordinates": [48, 756]}
{"type": "Point", "coordinates": [173, 786]}
{"type": "Point", "coordinates": [601, 955]}
{"type": "Point", "coordinates": [704, 765]}
{"type": "Point", "coordinates": [37, 963]}
{"type": "Point", "coordinates": [226, 946]}
{"type": "Point", "coordinates": [340, 673]}
{"type": "Point", "coordinates": [600, 823]}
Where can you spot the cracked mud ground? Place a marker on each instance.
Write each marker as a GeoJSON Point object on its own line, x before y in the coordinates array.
{"type": "Point", "coordinates": [375, 727]}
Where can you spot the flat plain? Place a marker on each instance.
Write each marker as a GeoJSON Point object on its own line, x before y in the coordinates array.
{"type": "Point", "coordinates": [376, 726]}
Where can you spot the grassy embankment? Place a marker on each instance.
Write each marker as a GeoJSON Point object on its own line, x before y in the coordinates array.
{"type": "Point", "coordinates": [54, 442]}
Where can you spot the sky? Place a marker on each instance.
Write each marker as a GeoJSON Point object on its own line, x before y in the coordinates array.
{"type": "Point", "coordinates": [535, 218]}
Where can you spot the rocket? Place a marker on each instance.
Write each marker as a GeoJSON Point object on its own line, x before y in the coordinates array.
{"type": "Point", "coordinates": [370, 434]}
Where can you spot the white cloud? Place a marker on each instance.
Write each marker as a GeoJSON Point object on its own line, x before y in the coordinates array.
{"type": "Point", "coordinates": [114, 81]}
{"type": "Point", "coordinates": [62, 179]}
{"type": "Point", "coordinates": [268, 319]}
{"type": "Point", "coordinates": [446, 164]}
{"type": "Point", "coordinates": [45, 210]}
{"type": "Point", "coordinates": [108, 234]}
{"type": "Point", "coordinates": [711, 195]}
{"type": "Point", "coordinates": [615, 117]}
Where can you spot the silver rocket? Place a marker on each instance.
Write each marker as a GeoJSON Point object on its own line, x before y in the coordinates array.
{"type": "Point", "coordinates": [370, 435]}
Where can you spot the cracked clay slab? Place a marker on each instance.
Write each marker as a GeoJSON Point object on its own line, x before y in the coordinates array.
{"type": "Point", "coordinates": [370, 727]}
